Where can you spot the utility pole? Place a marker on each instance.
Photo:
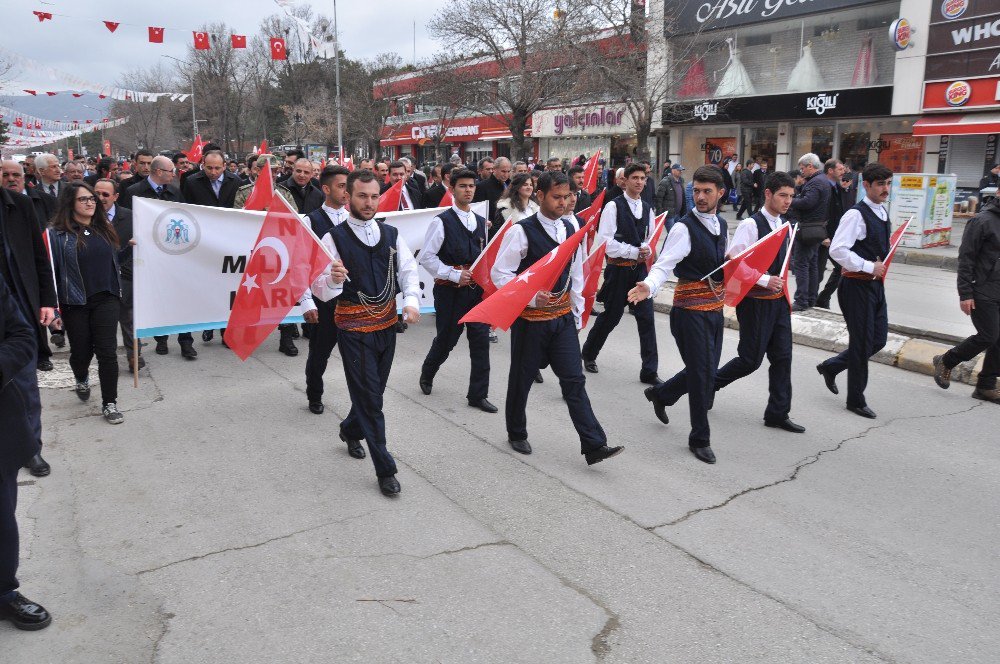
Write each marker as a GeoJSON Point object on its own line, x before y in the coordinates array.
{"type": "Point", "coordinates": [336, 65]}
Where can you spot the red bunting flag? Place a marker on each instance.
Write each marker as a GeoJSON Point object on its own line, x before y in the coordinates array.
{"type": "Point", "coordinates": [239, 41]}
{"type": "Point", "coordinates": [483, 265]}
{"type": "Point", "coordinates": [278, 49]}
{"type": "Point", "coordinates": [33, 93]}
{"type": "Point", "coordinates": [389, 201]}
{"type": "Point", "coordinates": [744, 270]}
{"type": "Point", "coordinates": [201, 41]}
{"type": "Point", "coordinates": [590, 172]}
{"type": "Point", "coordinates": [102, 96]}
{"type": "Point", "coordinates": [654, 239]}
{"type": "Point", "coordinates": [52, 94]}
{"type": "Point", "coordinates": [18, 122]}
{"type": "Point", "coordinates": [43, 16]}
{"type": "Point", "coordinates": [111, 25]}
{"type": "Point", "coordinates": [155, 35]}
{"type": "Point", "coordinates": [285, 260]}
{"type": "Point", "coordinates": [894, 241]}
{"type": "Point", "coordinates": [591, 275]}
{"type": "Point", "coordinates": [77, 94]}
{"type": "Point", "coordinates": [503, 307]}
{"type": "Point", "coordinates": [262, 192]}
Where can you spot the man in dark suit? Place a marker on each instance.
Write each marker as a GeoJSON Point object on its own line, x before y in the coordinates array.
{"type": "Point", "coordinates": [106, 168]}
{"type": "Point", "coordinates": [121, 218]}
{"type": "Point", "coordinates": [49, 174]}
{"type": "Point", "coordinates": [141, 165]}
{"type": "Point", "coordinates": [410, 198]}
{"type": "Point", "coordinates": [435, 192]}
{"type": "Point", "coordinates": [307, 196]}
{"type": "Point", "coordinates": [213, 185]}
{"type": "Point", "coordinates": [13, 179]}
{"type": "Point", "coordinates": [491, 187]}
{"type": "Point", "coordinates": [583, 198]}
{"type": "Point", "coordinates": [25, 267]}
{"type": "Point", "coordinates": [759, 178]}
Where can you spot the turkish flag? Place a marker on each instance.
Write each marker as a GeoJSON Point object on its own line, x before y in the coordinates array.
{"type": "Point", "coordinates": [263, 147]}
{"type": "Point", "coordinates": [503, 307]}
{"type": "Point", "coordinates": [102, 96]}
{"type": "Point", "coordinates": [483, 265]}
{"type": "Point", "coordinates": [77, 94]}
{"type": "Point", "coordinates": [743, 270]}
{"type": "Point", "coordinates": [18, 122]}
{"type": "Point", "coordinates": [591, 213]}
{"type": "Point", "coordinates": [262, 192]}
{"type": "Point", "coordinates": [239, 41]}
{"type": "Point", "coordinates": [894, 241]}
{"type": "Point", "coordinates": [194, 152]}
{"type": "Point", "coordinates": [107, 147]}
{"type": "Point", "coordinates": [590, 172]}
{"type": "Point", "coordinates": [283, 263]}
{"type": "Point", "coordinates": [591, 275]}
{"type": "Point", "coordinates": [33, 93]}
{"type": "Point", "coordinates": [389, 201]}
{"type": "Point", "coordinates": [38, 124]}
{"type": "Point", "coordinates": [43, 16]}
{"type": "Point", "coordinates": [155, 35]}
{"type": "Point", "coordinates": [52, 94]}
{"type": "Point", "coordinates": [447, 200]}
{"type": "Point", "coordinates": [654, 239]}
{"type": "Point", "coordinates": [201, 41]}
{"type": "Point", "coordinates": [111, 25]}
{"type": "Point", "coordinates": [278, 49]}
{"type": "Point", "coordinates": [349, 164]}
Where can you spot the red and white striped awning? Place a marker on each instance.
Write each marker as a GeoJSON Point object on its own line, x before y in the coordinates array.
{"type": "Point", "coordinates": [957, 125]}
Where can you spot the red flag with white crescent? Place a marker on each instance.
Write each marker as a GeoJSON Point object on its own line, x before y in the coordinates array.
{"type": "Point", "coordinates": [654, 239]}
{"type": "Point", "coordinates": [262, 192]}
{"type": "Point", "coordinates": [744, 270]}
{"type": "Point", "coordinates": [590, 172]}
{"type": "Point", "coordinates": [483, 264]}
{"type": "Point", "coordinates": [591, 275]}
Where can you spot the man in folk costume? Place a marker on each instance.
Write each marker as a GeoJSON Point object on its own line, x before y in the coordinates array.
{"type": "Point", "coordinates": [860, 246]}
{"type": "Point", "coordinates": [694, 250]}
{"type": "Point", "coordinates": [371, 264]}
{"type": "Point", "coordinates": [546, 331]}
{"type": "Point", "coordinates": [764, 316]}
{"type": "Point", "coordinates": [625, 225]}
{"type": "Point", "coordinates": [454, 240]}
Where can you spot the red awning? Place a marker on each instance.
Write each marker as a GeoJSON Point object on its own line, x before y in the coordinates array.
{"type": "Point", "coordinates": [956, 125]}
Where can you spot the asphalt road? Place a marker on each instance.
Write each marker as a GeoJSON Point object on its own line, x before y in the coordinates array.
{"type": "Point", "coordinates": [223, 522]}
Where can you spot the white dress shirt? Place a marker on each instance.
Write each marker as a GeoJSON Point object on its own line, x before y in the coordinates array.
{"type": "Point", "coordinates": [746, 234]}
{"type": "Point", "coordinates": [514, 248]}
{"type": "Point", "coordinates": [111, 212]}
{"type": "Point", "coordinates": [676, 249]}
{"type": "Point", "coordinates": [368, 232]}
{"type": "Point", "coordinates": [433, 241]}
{"type": "Point", "coordinates": [404, 197]}
{"type": "Point", "coordinates": [850, 230]}
{"type": "Point", "coordinates": [608, 226]}
{"type": "Point", "coordinates": [337, 216]}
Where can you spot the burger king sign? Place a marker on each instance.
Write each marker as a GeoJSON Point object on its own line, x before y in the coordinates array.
{"type": "Point", "coordinates": [958, 93]}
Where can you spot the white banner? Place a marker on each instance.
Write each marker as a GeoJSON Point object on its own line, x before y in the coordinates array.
{"type": "Point", "coordinates": [189, 260]}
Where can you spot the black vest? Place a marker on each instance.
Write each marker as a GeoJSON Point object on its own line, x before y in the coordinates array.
{"type": "Point", "coordinates": [367, 267]}
{"type": "Point", "coordinates": [540, 244]}
{"type": "Point", "coordinates": [875, 246]}
{"type": "Point", "coordinates": [708, 251]}
{"type": "Point", "coordinates": [763, 229]}
{"type": "Point", "coordinates": [320, 222]}
{"type": "Point", "coordinates": [631, 230]}
{"type": "Point", "coordinates": [461, 246]}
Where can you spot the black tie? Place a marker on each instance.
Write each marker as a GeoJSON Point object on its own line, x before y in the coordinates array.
{"type": "Point", "coordinates": [159, 192]}
{"type": "Point", "coordinates": [52, 190]}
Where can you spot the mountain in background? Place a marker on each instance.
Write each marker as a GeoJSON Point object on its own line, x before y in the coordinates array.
{"type": "Point", "coordinates": [64, 107]}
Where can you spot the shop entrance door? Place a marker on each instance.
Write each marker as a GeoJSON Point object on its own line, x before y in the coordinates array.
{"type": "Point", "coordinates": [760, 143]}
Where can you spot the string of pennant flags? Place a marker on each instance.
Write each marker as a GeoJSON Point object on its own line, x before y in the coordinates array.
{"type": "Point", "coordinates": [19, 120]}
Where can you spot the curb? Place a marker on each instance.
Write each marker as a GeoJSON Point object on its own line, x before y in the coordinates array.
{"type": "Point", "coordinates": [826, 330]}
{"type": "Point", "coordinates": [918, 257]}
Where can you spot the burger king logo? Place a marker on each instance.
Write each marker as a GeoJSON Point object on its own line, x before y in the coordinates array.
{"type": "Point", "coordinates": [899, 33]}
{"type": "Point", "coordinates": [952, 9]}
{"type": "Point", "coordinates": [958, 93]}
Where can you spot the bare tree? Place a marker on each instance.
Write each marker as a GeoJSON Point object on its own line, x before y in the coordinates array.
{"type": "Point", "coordinates": [365, 97]}
{"type": "Point", "coordinates": [151, 124]}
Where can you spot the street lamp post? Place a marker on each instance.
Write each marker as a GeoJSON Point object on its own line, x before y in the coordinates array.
{"type": "Point", "coordinates": [297, 122]}
{"type": "Point", "coordinates": [194, 122]}
{"type": "Point", "coordinates": [336, 66]}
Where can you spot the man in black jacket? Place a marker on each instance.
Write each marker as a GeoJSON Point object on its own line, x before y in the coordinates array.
{"type": "Point", "coordinates": [583, 198]}
{"type": "Point", "coordinates": [141, 166]}
{"type": "Point", "coordinates": [106, 168]}
{"type": "Point", "coordinates": [834, 171]}
{"type": "Point", "coordinates": [491, 187]}
{"type": "Point", "coordinates": [307, 196]}
{"type": "Point", "coordinates": [979, 297]}
{"type": "Point", "coordinates": [25, 267]}
{"type": "Point", "coordinates": [43, 204]}
{"type": "Point", "coordinates": [809, 209]}
{"type": "Point", "coordinates": [435, 192]}
{"type": "Point", "coordinates": [213, 185]}
{"type": "Point", "coordinates": [759, 178]}
{"type": "Point", "coordinates": [121, 218]}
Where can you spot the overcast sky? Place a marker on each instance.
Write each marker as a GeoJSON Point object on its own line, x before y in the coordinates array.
{"type": "Point", "coordinates": [82, 46]}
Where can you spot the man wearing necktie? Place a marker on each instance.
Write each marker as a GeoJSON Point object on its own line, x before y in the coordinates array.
{"type": "Point", "coordinates": [625, 226]}
{"type": "Point", "coordinates": [454, 240]}
{"type": "Point", "coordinates": [213, 185]}
{"type": "Point", "coordinates": [49, 173]}
{"type": "Point", "coordinates": [860, 246]}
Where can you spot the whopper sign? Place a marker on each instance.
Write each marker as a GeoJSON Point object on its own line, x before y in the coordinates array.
{"type": "Point", "coordinates": [963, 41]}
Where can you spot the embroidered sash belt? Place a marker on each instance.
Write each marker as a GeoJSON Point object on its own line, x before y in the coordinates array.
{"type": "Point", "coordinates": [699, 295]}
{"type": "Point", "coordinates": [353, 317]}
{"type": "Point", "coordinates": [551, 311]}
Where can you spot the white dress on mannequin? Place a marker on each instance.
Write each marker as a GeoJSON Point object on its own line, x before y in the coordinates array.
{"type": "Point", "coordinates": [806, 75]}
{"type": "Point", "coordinates": [735, 81]}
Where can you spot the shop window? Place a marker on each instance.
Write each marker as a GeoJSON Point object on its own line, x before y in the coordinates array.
{"type": "Point", "coordinates": [854, 148]}
{"type": "Point", "coordinates": [760, 143]}
{"type": "Point", "coordinates": [818, 140]}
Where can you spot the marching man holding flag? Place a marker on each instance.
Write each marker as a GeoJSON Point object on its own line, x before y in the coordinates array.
{"type": "Point", "coordinates": [862, 246]}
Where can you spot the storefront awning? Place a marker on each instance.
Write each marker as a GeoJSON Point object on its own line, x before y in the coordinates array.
{"type": "Point", "coordinates": [957, 125]}
{"type": "Point", "coordinates": [496, 135]}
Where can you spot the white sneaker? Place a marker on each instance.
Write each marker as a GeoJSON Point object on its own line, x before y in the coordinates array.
{"type": "Point", "coordinates": [112, 414]}
{"type": "Point", "coordinates": [493, 337]}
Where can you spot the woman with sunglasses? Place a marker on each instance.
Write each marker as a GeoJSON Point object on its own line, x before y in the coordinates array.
{"type": "Point", "coordinates": [85, 250]}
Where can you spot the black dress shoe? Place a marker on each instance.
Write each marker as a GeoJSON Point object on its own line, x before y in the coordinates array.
{"type": "Point", "coordinates": [389, 485]}
{"type": "Point", "coordinates": [161, 347]}
{"type": "Point", "coordinates": [59, 339]}
{"type": "Point", "coordinates": [650, 379]}
{"type": "Point", "coordinates": [38, 466]}
{"type": "Point", "coordinates": [829, 378]}
{"type": "Point", "coordinates": [401, 326]}
{"type": "Point", "coordinates": [590, 366]}
{"type": "Point", "coordinates": [426, 385]}
{"type": "Point", "coordinates": [863, 411]}
{"type": "Point", "coordinates": [207, 335]}
{"type": "Point", "coordinates": [823, 304]}
{"type": "Point", "coordinates": [316, 407]}
{"type": "Point", "coordinates": [787, 425]}
{"type": "Point", "coordinates": [45, 365]}
{"type": "Point", "coordinates": [354, 447]}
{"type": "Point", "coordinates": [294, 329]}
{"type": "Point", "coordinates": [521, 446]}
{"type": "Point", "coordinates": [602, 453]}
{"type": "Point", "coordinates": [703, 453]}
{"type": "Point", "coordinates": [25, 614]}
{"type": "Point", "coordinates": [538, 377]}
{"type": "Point", "coordinates": [188, 351]}
{"type": "Point", "coordinates": [288, 348]}
{"type": "Point", "coordinates": [483, 405]}
{"type": "Point", "coordinates": [658, 406]}
{"type": "Point", "coordinates": [799, 308]}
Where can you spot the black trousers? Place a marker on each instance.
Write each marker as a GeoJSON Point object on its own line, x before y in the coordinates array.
{"type": "Point", "coordinates": [864, 307]}
{"type": "Point", "coordinates": [450, 304]}
{"type": "Point", "coordinates": [322, 339]}
{"type": "Point", "coordinates": [44, 352]}
{"type": "Point", "coordinates": [614, 293]}
{"type": "Point", "coordinates": [765, 329]}
{"type": "Point", "coordinates": [91, 329]}
{"type": "Point", "coordinates": [699, 340]}
{"type": "Point", "coordinates": [746, 204]}
{"type": "Point", "coordinates": [125, 318]}
{"type": "Point", "coordinates": [823, 299]}
{"type": "Point", "coordinates": [182, 338]}
{"type": "Point", "coordinates": [554, 342]}
{"type": "Point", "coordinates": [986, 318]}
{"type": "Point", "coordinates": [805, 266]}
{"type": "Point", "coordinates": [367, 358]}
{"type": "Point", "coordinates": [9, 541]}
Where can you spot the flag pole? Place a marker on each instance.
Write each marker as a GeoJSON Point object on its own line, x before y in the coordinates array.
{"type": "Point", "coordinates": [788, 254]}
{"type": "Point", "coordinates": [135, 359]}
